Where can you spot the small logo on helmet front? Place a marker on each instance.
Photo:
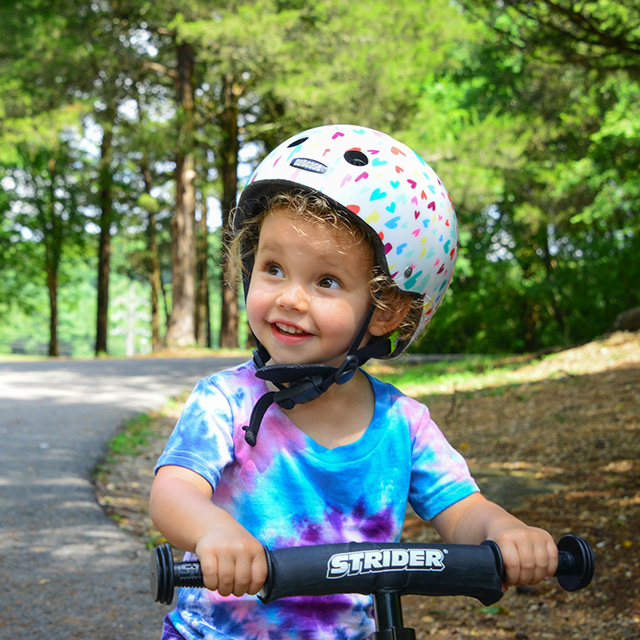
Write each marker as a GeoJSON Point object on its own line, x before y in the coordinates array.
{"type": "Point", "coordinates": [307, 164]}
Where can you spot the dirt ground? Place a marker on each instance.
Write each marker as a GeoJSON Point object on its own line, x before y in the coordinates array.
{"type": "Point", "coordinates": [560, 450]}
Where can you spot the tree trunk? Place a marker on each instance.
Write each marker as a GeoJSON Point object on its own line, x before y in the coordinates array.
{"type": "Point", "coordinates": [165, 300]}
{"type": "Point", "coordinates": [229, 312]}
{"type": "Point", "coordinates": [53, 252]}
{"type": "Point", "coordinates": [550, 266]}
{"type": "Point", "coordinates": [52, 286]}
{"type": "Point", "coordinates": [105, 181]}
{"type": "Point", "coordinates": [153, 265]}
{"type": "Point", "coordinates": [228, 166]}
{"type": "Point", "coordinates": [203, 321]}
{"type": "Point", "coordinates": [181, 329]}
{"type": "Point", "coordinates": [130, 343]}
{"type": "Point", "coordinates": [529, 316]}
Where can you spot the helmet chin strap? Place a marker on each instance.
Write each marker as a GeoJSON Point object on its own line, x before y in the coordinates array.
{"type": "Point", "coordinates": [302, 383]}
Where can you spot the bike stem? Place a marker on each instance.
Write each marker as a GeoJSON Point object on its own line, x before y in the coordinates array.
{"type": "Point", "coordinates": [387, 609]}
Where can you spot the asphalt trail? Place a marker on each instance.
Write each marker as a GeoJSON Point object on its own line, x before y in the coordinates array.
{"type": "Point", "coordinates": [66, 571]}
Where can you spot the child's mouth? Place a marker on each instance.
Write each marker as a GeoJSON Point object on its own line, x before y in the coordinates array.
{"type": "Point", "coordinates": [289, 330]}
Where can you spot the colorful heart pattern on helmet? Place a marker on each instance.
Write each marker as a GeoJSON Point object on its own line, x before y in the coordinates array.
{"type": "Point", "coordinates": [387, 185]}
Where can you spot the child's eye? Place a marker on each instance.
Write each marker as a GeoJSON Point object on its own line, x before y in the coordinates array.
{"type": "Point", "coordinates": [329, 282]}
{"type": "Point", "coordinates": [273, 270]}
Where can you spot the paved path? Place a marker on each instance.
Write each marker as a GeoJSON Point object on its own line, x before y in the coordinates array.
{"type": "Point", "coordinates": [66, 571]}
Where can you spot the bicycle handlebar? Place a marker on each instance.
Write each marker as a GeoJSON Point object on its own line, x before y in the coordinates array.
{"type": "Point", "coordinates": [368, 568]}
{"type": "Point", "coordinates": [362, 567]}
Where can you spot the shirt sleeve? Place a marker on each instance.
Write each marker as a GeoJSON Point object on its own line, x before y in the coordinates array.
{"type": "Point", "coordinates": [439, 476]}
{"type": "Point", "coordinates": [202, 439]}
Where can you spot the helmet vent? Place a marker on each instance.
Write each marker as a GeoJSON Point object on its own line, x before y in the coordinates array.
{"type": "Point", "coordinates": [297, 142]}
{"type": "Point", "coordinates": [356, 158]}
{"type": "Point", "coordinates": [408, 271]}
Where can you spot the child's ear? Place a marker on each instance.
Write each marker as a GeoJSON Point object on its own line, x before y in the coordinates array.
{"type": "Point", "coordinates": [386, 321]}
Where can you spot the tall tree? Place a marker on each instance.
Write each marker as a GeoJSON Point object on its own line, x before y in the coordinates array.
{"type": "Point", "coordinates": [106, 220]}
{"type": "Point", "coordinates": [34, 134]}
{"type": "Point", "coordinates": [73, 52]}
{"type": "Point", "coordinates": [228, 160]}
{"type": "Point", "coordinates": [181, 329]}
{"type": "Point", "coordinates": [203, 302]}
{"type": "Point", "coordinates": [172, 56]}
{"type": "Point", "coordinates": [556, 203]}
{"type": "Point", "coordinates": [45, 198]}
{"type": "Point", "coordinates": [112, 77]}
{"type": "Point", "coordinates": [150, 205]}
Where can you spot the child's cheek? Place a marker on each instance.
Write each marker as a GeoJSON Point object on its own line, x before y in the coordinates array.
{"type": "Point", "coordinates": [257, 306]}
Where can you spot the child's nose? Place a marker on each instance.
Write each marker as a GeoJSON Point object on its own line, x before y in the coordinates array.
{"type": "Point", "coordinates": [294, 296]}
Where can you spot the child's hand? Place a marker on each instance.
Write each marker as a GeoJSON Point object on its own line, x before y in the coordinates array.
{"type": "Point", "coordinates": [232, 561]}
{"type": "Point", "coordinates": [529, 554]}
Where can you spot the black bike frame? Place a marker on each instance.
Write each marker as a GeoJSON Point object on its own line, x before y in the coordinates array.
{"type": "Point", "coordinates": [387, 608]}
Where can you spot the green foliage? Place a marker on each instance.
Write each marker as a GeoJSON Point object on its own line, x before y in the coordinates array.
{"type": "Point", "coordinates": [599, 34]}
{"type": "Point", "coordinates": [24, 308]}
{"type": "Point", "coordinates": [540, 156]}
{"type": "Point", "coordinates": [429, 376]}
{"type": "Point", "coordinates": [529, 112]}
{"type": "Point", "coordinates": [133, 438]}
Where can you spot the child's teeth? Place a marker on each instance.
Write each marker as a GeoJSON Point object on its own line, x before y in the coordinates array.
{"type": "Point", "coordinates": [287, 329]}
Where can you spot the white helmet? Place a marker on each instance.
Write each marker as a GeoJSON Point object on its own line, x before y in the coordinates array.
{"type": "Point", "coordinates": [378, 181]}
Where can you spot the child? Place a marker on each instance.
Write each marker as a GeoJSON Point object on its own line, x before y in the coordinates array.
{"type": "Point", "coordinates": [347, 241]}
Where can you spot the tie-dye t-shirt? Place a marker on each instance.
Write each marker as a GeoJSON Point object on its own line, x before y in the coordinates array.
{"type": "Point", "coordinates": [290, 491]}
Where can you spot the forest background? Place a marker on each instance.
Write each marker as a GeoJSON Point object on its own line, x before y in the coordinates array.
{"type": "Point", "coordinates": [127, 128]}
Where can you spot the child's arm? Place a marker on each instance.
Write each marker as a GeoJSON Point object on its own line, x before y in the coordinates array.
{"type": "Point", "coordinates": [232, 560]}
{"type": "Point", "coordinates": [530, 554]}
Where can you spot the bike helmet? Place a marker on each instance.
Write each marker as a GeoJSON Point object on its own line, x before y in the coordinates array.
{"type": "Point", "coordinates": [393, 194]}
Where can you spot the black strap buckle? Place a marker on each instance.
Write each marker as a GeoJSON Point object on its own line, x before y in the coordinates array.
{"type": "Point", "coordinates": [301, 392]}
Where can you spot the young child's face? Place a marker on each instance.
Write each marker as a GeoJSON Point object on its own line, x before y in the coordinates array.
{"type": "Point", "coordinates": [309, 291]}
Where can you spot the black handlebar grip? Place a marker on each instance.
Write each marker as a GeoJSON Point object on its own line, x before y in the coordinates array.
{"type": "Point", "coordinates": [402, 568]}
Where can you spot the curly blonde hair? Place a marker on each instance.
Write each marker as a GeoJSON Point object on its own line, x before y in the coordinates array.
{"type": "Point", "coordinates": [314, 208]}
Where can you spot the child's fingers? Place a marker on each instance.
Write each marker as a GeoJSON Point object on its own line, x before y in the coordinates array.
{"type": "Point", "coordinates": [226, 574]}
{"type": "Point", "coordinates": [533, 564]}
{"type": "Point", "coordinates": [209, 567]}
{"type": "Point", "coordinates": [519, 557]}
{"type": "Point", "coordinates": [545, 558]}
{"type": "Point", "coordinates": [511, 561]}
{"type": "Point", "coordinates": [259, 572]}
{"type": "Point", "coordinates": [232, 564]}
{"type": "Point", "coordinates": [242, 575]}
{"type": "Point", "coordinates": [243, 570]}
{"type": "Point", "coordinates": [529, 559]}
{"type": "Point", "coordinates": [552, 558]}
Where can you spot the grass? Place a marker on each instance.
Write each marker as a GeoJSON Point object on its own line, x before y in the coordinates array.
{"type": "Point", "coordinates": [134, 437]}
{"type": "Point", "coordinates": [139, 430]}
{"type": "Point", "coordinates": [12, 357]}
{"type": "Point", "coordinates": [466, 374]}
